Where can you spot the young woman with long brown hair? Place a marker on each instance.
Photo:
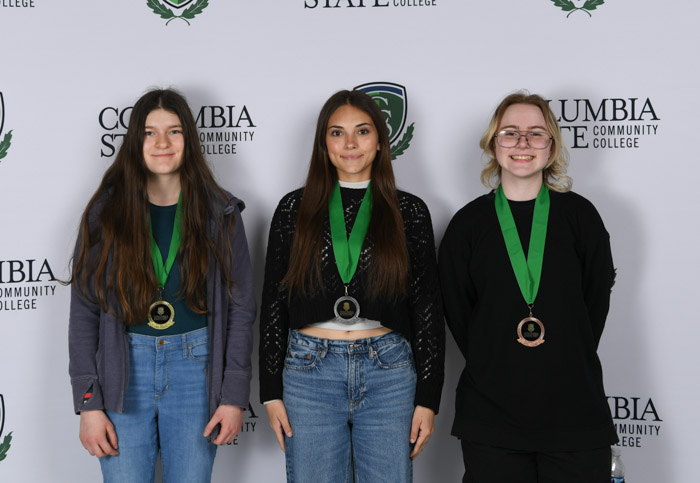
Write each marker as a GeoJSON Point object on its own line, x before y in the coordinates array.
{"type": "Point", "coordinates": [162, 305]}
{"type": "Point", "coordinates": [352, 333]}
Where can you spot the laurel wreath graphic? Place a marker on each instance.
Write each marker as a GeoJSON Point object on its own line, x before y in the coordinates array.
{"type": "Point", "coordinates": [190, 12]}
{"type": "Point", "coordinates": [5, 446]}
{"type": "Point", "coordinates": [5, 144]}
{"type": "Point", "coordinates": [568, 6]}
{"type": "Point", "coordinates": [403, 144]}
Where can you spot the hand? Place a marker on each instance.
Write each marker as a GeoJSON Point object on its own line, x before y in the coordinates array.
{"type": "Point", "coordinates": [97, 433]}
{"type": "Point", "coordinates": [231, 420]}
{"type": "Point", "coordinates": [422, 427]}
{"type": "Point", "coordinates": [279, 421]}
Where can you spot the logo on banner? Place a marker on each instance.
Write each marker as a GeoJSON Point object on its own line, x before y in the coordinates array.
{"type": "Point", "coordinates": [636, 420]}
{"type": "Point", "coordinates": [570, 6]}
{"type": "Point", "coordinates": [5, 445]}
{"type": "Point", "coordinates": [161, 8]}
{"type": "Point", "coordinates": [220, 128]}
{"type": "Point", "coordinates": [23, 283]}
{"type": "Point", "coordinates": [5, 141]}
{"type": "Point", "coordinates": [368, 3]}
{"type": "Point", "coordinates": [608, 123]}
{"type": "Point", "coordinates": [392, 100]}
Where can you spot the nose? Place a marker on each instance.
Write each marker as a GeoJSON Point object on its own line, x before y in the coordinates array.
{"type": "Point", "coordinates": [350, 141]}
{"type": "Point", "coordinates": [520, 138]}
{"type": "Point", "coordinates": [162, 141]}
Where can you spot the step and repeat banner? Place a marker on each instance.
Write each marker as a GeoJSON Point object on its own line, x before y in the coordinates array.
{"type": "Point", "coordinates": [621, 79]}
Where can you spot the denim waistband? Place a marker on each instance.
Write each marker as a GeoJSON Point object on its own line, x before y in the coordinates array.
{"type": "Point", "coordinates": [169, 342]}
{"type": "Point", "coordinates": [355, 346]}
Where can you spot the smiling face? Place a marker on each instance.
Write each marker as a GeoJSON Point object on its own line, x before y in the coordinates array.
{"type": "Point", "coordinates": [352, 143]}
{"type": "Point", "coordinates": [522, 162]}
{"type": "Point", "coordinates": [163, 143]}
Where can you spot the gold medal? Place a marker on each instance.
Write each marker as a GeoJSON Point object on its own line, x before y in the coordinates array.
{"type": "Point", "coordinates": [161, 315]}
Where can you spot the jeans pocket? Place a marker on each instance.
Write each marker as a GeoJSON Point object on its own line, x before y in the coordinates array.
{"type": "Point", "coordinates": [301, 358]}
{"type": "Point", "coordinates": [199, 351]}
{"type": "Point", "coordinates": [395, 355]}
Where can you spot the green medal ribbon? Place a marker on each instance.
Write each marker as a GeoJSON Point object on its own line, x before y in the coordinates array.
{"type": "Point", "coordinates": [527, 273]}
{"type": "Point", "coordinates": [347, 250]}
{"type": "Point", "coordinates": [163, 269]}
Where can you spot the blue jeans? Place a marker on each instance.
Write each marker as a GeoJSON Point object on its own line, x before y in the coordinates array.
{"type": "Point", "coordinates": [350, 405]}
{"type": "Point", "coordinates": [166, 410]}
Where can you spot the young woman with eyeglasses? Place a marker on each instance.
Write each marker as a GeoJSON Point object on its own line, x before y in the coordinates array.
{"type": "Point", "coordinates": [526, 273]}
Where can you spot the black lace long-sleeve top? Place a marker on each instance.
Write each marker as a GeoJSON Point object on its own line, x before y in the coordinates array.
{"type": "Point", "coordinates": [417, 316]}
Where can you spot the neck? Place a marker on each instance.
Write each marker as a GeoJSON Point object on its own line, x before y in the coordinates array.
{"type": "Point", "coordinates": [521, 189]}
{"type": "Point", "coordinates": [163, 190]}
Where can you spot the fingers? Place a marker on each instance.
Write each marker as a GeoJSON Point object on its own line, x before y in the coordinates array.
{"type": "Point", "coordinates": [422, 427]}
{"type": "Point", "coordinates": [279, 422]}
{"type": "Point", "coordinates": [230, 419]}
{"type": "Point", "coordinates": [97, 434]}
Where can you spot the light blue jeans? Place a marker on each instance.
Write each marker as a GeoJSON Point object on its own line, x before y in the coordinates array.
{"type": "Point", "coordinates": [350, 405]}
{"type": "Point", "coordinates": [166, 410]}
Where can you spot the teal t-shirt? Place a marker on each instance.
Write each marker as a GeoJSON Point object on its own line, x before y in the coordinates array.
{"type": "Point", "coordinates": [162, 219]}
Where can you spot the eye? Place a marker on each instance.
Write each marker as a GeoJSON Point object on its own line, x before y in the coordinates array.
{"type": "Point", "coordinates": [176, 131]}
{"type": "Point", "coordinates": [148, 133]}
{"type": "Point", "coordinates": [363, 131]}
{"type": "Point", "coordinates": [336, 132]}
{"type": "Point", "coordinates": [538, 135]}
{"type": "Point", "coordinates": [509, 134]}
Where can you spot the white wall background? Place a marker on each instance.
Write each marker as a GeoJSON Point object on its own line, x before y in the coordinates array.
{"type": "Point", "coordinates": [63, 62]}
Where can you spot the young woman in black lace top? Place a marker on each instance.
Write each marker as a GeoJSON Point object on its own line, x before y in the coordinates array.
{"type": "Point", "coordinates": [352, 336]}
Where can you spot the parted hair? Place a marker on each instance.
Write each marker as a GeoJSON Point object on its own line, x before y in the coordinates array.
{"type": "Point", "coordinates": [113, 256]}
{"type": "Point", "coordinates": [388, 274]}
{"type": "Point", "coordinates": [554, 173]}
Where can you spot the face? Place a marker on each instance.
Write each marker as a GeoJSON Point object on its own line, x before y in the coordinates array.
{"type": "Point", "coordinates": [352, 143]}
{"type": "Point", "coordinates": [163, 143]}
{"type": "Point", "coordinates": [522, 162]}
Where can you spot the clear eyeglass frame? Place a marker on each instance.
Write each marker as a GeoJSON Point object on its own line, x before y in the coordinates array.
{"type": "Point", "coordinates": [509, 138]}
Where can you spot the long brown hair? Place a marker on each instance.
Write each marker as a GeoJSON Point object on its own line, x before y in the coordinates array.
{"type": "Point", "coordinates": [388, 274]}
{"type": "Point", "coordinates": [114, 241]}
{"type": "Point", "coordinates": [554, 174]}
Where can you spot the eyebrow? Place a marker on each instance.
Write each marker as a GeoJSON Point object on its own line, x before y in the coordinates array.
{"type": "Point", "coordinates": [168, 127]}
{"type": "Point", "coordinates": [358, 125]}
{"type": "Point", "coordinates": [515, 128]}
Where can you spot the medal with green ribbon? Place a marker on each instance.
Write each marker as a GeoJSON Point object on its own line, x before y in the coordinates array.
{"type": "Point", "coordinates": [161, 314]}
{"type": "Point", "coordinates": [527, 272]}
{"type": "Point", "coordinates": [347, 249]}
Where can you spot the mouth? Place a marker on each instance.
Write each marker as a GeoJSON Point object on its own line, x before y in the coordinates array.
{"type": "Point", "coordinates": [522, 157]}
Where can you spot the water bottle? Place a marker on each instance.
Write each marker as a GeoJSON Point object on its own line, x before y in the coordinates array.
{"type": "Point", "coordinates": [617, 472]}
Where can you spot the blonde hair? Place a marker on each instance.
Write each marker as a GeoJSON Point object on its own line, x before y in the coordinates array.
{"type": "Point", "coordinates": [554, 174]}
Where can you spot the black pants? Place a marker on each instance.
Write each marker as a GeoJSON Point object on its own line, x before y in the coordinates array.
{"type": "Point", "coordinates": [486, 464]}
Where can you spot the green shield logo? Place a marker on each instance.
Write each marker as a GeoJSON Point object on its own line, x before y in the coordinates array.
{"type": "Point", "coordinates": [392, 100]}
{"type": "Point", "coordinates": [2, 113]}
{"type": "Point", "coordinates": [5, 444]}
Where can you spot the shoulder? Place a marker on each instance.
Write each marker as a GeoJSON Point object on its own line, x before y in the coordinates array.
{"type": "Point", "coordinates": [410, 204]}
{"type": "Point", "coordinates": [574, 205]}
{"type": "Point", "coordinates": [475, 209]}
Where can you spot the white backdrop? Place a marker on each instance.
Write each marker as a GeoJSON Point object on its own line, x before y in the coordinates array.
{"type": "Point", "coordinates": [618, 74]}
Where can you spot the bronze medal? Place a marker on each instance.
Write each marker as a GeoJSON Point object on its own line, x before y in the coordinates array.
{"type": "Point", "coordinates": [531, 331]}
{"type": "Point", "coordinates": [161, 315]}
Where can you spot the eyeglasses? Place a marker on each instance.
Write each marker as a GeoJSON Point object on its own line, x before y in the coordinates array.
{"type": "Point", "coordinates": [534, 139]}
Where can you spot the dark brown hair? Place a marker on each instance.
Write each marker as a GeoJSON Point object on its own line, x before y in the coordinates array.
{"type": "Point", "coordinates": [388, 274]}
{"type": "Point", "coordinates": [114, 239]}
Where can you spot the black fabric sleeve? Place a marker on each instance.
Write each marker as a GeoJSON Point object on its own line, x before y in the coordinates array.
{"type": "Point", "coordinates": [427, 320]}
{"type": "Point", "coordinates": [274, 313]}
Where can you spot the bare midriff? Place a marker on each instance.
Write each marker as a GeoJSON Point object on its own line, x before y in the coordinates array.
{"type": "Point", "coordinates": [343, 334]}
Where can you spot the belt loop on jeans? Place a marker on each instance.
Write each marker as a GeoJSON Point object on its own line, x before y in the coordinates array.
{"type": "Point", "coordinates": [185, 345]}
{"type": "Point", "coordinates": [370, 349]}
{"type": "Point", "coordinates": [323, 351]}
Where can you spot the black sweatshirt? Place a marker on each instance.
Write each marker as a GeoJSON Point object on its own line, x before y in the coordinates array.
{"type": "Point", "coordinates": [545, 398]}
